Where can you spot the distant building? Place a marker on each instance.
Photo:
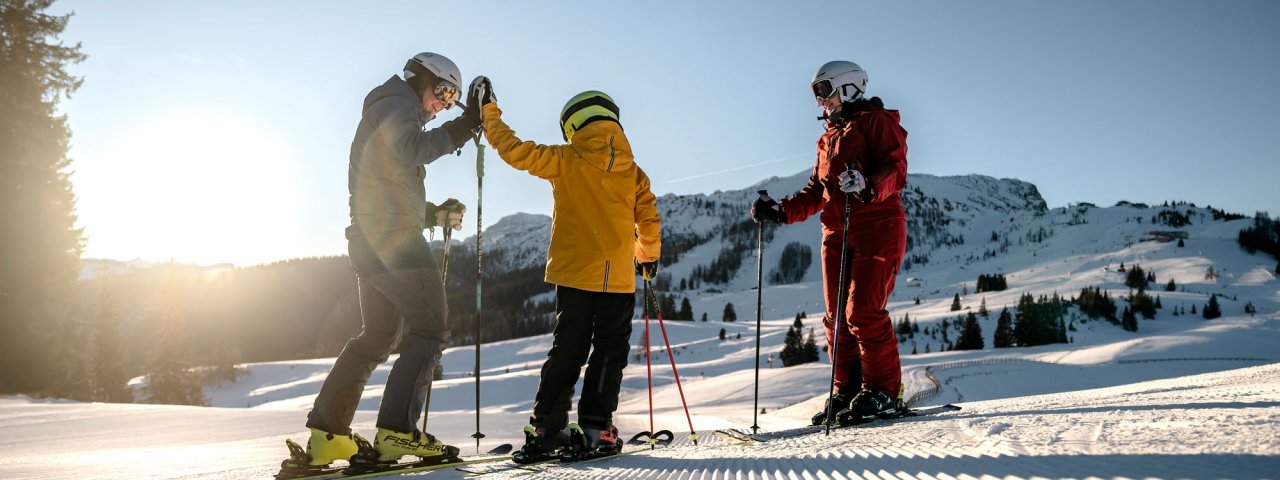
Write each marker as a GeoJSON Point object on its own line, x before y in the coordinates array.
{"type": "Point", "coordinates": [1164, 236]}
{"type": "Point", "coordinates": [914, 282]}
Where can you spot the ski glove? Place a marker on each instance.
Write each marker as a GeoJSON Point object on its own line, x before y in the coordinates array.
{"type": "Point", "coordinates": [464, 127]}
{"type": "Point", "coordinates": [768, 209]}
{"type": "Point", "coordinates": [447, 214]}
{"type": "Point", "coordinates": [480, 93]}
{"type": "Point", "coordinates": [647, 270]}
{"type": "Point", "coordinates": [852, 181]}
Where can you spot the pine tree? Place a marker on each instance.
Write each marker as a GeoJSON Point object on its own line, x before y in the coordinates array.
{"type": "Point", "coordinates": [722, 332]}
{"type": "Point", "coordinates": [970, 334]}
{"type": "Point", "coordinates": [1004, 330]}
{"type": "Point", "coordinates": [170, 379]}
{"type": "Point", "coordinates": [686, 309]}
{"type": "Point", "coordinates": [955, 303]}
{"type": "Point", "coordinates": [1136, 278]}
{"type": "Point", "coordinates": [1171, 286]}
{"type": "Point", "coordinates": [1193, 309]}
{"type": "Point", "coordinates": [729, 315]}
{"type": "Point", "coordinates": [1128, 321]}
{"type": "Point", "coordinates": [39, 243]}
{"type": "Point", "coordinates": [110, 381]}
{"type": "Point", "coordinates": [809, 353]}
{"type": "Point", "coordinates": [792, 345]}
{"type": "Point", "coordinates": [704, 316]}
{"type": "Point", "coordinates": [1212, 310]}
{"type": "Point", "coordinates": [982, 308]}
{"type": "Point", "coordinates": [667, 307]}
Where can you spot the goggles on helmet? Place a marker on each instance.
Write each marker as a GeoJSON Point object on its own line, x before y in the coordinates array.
{"type": "Point", "coordinates": [447, 93]}
{"type": "Point", "coordinates": [822, 90]}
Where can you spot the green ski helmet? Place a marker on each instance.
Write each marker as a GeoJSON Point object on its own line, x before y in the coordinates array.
{"type": "Point", "coordinates": [584, 108]}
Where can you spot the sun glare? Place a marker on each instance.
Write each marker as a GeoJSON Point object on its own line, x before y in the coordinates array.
{"type": "Point", "coordinates": [195, 187]}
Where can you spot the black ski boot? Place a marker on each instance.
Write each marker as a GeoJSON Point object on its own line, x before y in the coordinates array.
{"type": "Point", "coordinates": [541, 444]}
{"type": "Point", "coordinates": [841, 400]}
{"type": "Point", "coordinates": [588, 443]}
{"type": "Point", "coordinates": [867, 406]}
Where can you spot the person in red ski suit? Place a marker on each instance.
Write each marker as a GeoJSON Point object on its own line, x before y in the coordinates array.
{"type": "Point", "coordinates": [862, 158]}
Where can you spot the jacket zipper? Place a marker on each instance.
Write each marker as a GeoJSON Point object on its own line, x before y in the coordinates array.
{"type": "Point", "coordinates": [606, 276]}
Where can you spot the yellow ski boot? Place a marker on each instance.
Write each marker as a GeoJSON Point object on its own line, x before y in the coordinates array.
{"type": "Point", "coordinates": [324, 447]}
{"type": "Point", "coordinates": [391, 445]}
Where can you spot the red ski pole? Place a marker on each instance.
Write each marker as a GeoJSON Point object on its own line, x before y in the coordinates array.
{"type": "Point", "coordinates": [693, 435]}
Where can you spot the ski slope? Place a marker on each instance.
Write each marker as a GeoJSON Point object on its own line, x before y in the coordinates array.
{"type": "Point", "coordinates": [1118, 411]}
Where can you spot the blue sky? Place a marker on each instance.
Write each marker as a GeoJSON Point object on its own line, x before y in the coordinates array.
{"type": "Point", "coordinates": [219, 131]}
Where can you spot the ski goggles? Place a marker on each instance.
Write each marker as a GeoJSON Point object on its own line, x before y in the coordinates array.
{"type": "Point", "coordinates": [823, 90]}
{"type": "Point", "coordinates": [447, 93]}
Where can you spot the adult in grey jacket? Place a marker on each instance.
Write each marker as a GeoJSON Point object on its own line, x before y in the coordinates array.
{"type": "Point", "coordinates": [400, 287]}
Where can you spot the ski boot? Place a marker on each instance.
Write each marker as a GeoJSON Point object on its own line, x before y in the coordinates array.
{"type": "Point", "coordinates": [867, 406]}
{"type": "Point", "coordinates": [541, 444]}
{"type": "Point", "coordinates": [588, 443]}
{"type": "Point", "coordinates": [324, 448]}
{"type": "Point", "coordinates": [841, 400]}
{"type": "Point", "coordinates": [391, 445]}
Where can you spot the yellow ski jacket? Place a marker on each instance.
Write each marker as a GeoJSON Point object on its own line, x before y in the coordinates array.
{"type": "Point", "coordinates": [604, 219]}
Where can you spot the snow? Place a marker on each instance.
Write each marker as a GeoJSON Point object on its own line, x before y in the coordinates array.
{"type": "Point", "coordinates": [1181, 398]}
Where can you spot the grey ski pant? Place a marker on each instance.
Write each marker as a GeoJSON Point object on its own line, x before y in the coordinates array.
{"type": "Point", "coordinates": [402, 301]}
{"type": "Point", "coordinates": [586, 322]}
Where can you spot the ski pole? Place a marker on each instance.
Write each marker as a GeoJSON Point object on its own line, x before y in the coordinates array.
{"type": "Point", "coordinates": [648, 365]}
{"type": "Point", "coordinates": [755, 409]}
{"type": "Point", "coordinates": [693, 434]}
{"type": "Point", "coordinates": [839, 318]}
{"type": "Point", "coordinates": [479, 271]}
{"type": "Point", "coordinates": [444, 280]}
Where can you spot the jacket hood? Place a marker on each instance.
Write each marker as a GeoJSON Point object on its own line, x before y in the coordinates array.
{"type": "Point", "coordinates": [393, 87]}
{"type": "Point", "coordinates": [604, 146]}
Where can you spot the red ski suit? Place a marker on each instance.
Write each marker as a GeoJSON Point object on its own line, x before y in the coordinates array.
{"type": "Point", "coordinates": [874, 143]}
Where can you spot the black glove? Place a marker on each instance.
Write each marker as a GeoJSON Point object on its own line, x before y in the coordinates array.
{"type": "Point", "coordinates": [647, 270]}
{"type": "Point", "coordinates": [447, 214]}
{"type": "Point", "coordinates": [480, 93]}
{"type": "Point", "coordinates": [768, 210]}
{"type": "Point", "coordinates": [463, 128]}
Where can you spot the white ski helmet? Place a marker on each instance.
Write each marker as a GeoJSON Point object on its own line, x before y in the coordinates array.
{"type": "Point", "coordinates": [847, 78]}
{"type": "Point", "coordinates": [428, 70]}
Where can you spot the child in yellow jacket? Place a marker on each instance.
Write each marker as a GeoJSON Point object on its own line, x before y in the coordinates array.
{"type": "Point", "coordinates": [605, 222]}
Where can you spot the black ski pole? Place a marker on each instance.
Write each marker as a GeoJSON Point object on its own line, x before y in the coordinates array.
{"type": "Point", "coordinates": [444, 280]}
{"type": "Point", "coordinates": [839, 319]}
{"type": "Point", "coordinates": [479, 272]}
{"type": "Point", "coordinates": [755, 409]}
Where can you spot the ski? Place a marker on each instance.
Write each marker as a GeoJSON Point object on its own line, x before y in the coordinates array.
{"type": "Point", "coordinates": [742, 436]}
{"type": "Point", "coordinates": [475, 471]}
{"type": "Point", "coordinates": [296, 468]}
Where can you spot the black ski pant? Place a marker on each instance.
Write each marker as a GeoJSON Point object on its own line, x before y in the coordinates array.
{"type": "Point", "coordinates": [586, 322]}
{"type": "Point", "coordinates": [402, 301]}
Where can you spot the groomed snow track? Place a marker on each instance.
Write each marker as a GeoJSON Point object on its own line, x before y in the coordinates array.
{"type": "Point", "coordinates": [1202, 422]}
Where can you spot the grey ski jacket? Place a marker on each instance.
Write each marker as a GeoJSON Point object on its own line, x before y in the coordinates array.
{"type": "Point", "coordinates": [386, 175]}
